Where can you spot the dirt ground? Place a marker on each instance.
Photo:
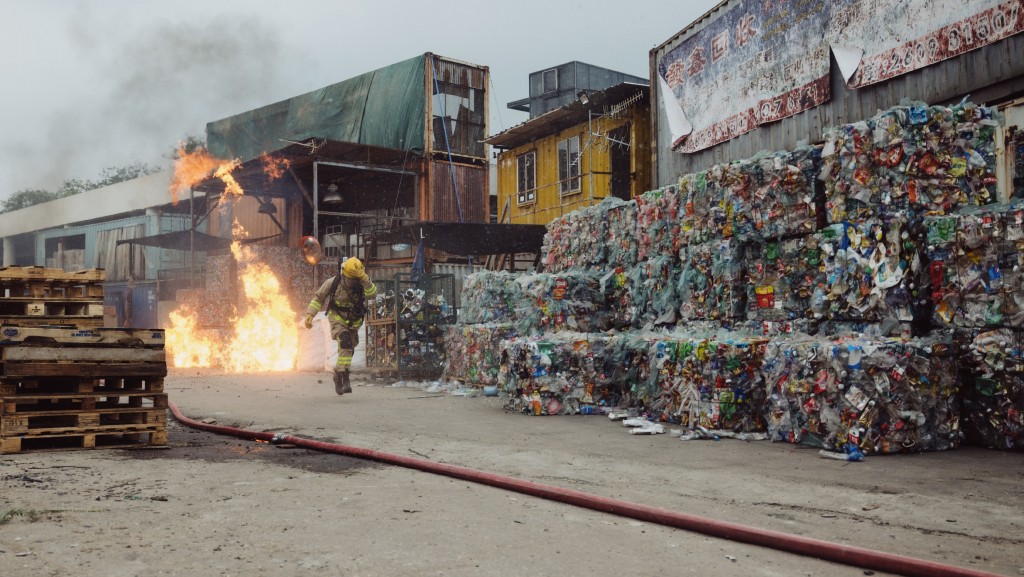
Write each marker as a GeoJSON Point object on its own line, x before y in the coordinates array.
{"type": "Point", "coordinates": [215, 505]}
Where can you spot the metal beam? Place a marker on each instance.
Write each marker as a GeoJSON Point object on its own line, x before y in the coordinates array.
{"type": "Point", "coordinates": [364, 166]}
{"type": "Point", "coordinates": [367, 216]}
{"type": "Point", "coordinates": [302, 189]}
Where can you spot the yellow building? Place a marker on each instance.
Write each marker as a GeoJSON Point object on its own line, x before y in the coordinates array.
{"type": "Point", "coordinates": [573, 156]}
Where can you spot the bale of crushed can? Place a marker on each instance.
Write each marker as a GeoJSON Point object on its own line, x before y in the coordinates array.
{"type": "Point", "coordinates": [577, 239]}
{"type": "Point", "coordinates": [974, 259]}
{"type": "Point", "coordinates": [658, 224]}
{"type": "Point", "coordinates": [879, 395]}
{"type": "Point", "coordinates": [993, 376]}
{"type": "Point", "coordinates": [567, 301]}
{"type": "Point", "coordinates": [474, 352]}
{"type": "Point", "coordinates": [712, 282]}
{"type": "Point", "coordinates": [565, 373]}
{"type": "Point", "coordinates": [489, 297]}
{"type": "Point", "coordinates": [782, 276]}
{"type": "Point", "coordinates": [712, 382]}
{"type": "Point", "coordinates": [864, 270]}
{"type": "Point", "coordinates": [913, 157]}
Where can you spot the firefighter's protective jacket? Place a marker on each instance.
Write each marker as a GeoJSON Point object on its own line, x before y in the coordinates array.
{"type": "Point", "coordinates": [349, 303]}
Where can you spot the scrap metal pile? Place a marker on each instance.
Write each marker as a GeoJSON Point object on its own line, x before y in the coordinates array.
{"type": "Point", "coordinates": [864, 295]}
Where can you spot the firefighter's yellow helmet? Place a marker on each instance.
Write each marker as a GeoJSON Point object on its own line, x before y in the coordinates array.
{"type": "Point", "coordinates": [353, 268]}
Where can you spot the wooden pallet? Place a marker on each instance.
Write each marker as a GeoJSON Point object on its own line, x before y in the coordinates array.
{"type": "Point", "coordinates": [67, 403]}
{"type": "Point", "coordinates": [127, 436]}
{"type": "Point", "coordinates": [71, 422]}
{"type": "Point", "coordinates": [11, 288]}
{"type": "Point", "coordinates": [54, 308]}
{"type": "Point", "coordinates": [153, 338]}
{"type": "Point", "coordinates": [50, 322]}
{"type": "Point", "coordinates": [86, 361]}
{"type": "Point", "coordinates": [109, 386]}
{"type": "Point", "coordinates": [24, 273]}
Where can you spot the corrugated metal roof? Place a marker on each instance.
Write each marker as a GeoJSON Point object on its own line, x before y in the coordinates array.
{"type": "Point", "coordinates": [117, 199]}
{"type": "Point", "coordinates": [561, 118]}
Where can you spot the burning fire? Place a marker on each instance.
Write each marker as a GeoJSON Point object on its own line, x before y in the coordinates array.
{"type": "Point", "coordinates": [191, 168]}
{"type": "Point", "coordinates": [266, 336]}
{"type": "Point", "coordinates": [263, 337]}
{"type": "Point", "coordinates": [274, 167]}
{"type": "Point", "coordinates": [263, 332]}
{"type": "Point", "coordinates": [189, 346]}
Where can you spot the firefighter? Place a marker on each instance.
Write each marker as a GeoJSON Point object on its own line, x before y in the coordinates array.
{"type": "Point", "coordinates": [346, 298]}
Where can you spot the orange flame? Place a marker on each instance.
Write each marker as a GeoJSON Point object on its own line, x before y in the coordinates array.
{"type": "Point", "coordinates": [187, 345]}
{"type": "Point", "coordinates": [264, 337]}
{"type": "Point", "coordinates": [191, 168]}
{"type": "Point", "coordinates": [274, 167]}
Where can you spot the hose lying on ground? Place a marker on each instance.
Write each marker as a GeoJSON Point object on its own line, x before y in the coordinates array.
{"type": "Point", "coordinates": [825, 550]}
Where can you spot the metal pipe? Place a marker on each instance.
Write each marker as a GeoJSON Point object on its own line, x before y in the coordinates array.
{"type": "Point", "coordinates": [316, 201]}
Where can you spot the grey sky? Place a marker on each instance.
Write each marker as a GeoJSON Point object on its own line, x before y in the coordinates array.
{"type": "Point", "coordinates": [93, 84]}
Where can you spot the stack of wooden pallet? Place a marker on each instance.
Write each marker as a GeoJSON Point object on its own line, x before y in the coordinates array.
{"type": "Point", "coordinates": [36, 296]}
{"type": "Point", "coordinates": [65, 385]}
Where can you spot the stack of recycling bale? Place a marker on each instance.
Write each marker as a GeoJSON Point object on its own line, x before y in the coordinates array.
{"type": "Point", "coordinates": [881, 244]}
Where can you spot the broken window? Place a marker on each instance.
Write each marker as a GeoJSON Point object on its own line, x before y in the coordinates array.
{"type": "Point", "coordinates": [458, 109]}
{"type": "Point", "coordinates": [526, 165]}
{"type": "Point", "coordinates": [569, 165]}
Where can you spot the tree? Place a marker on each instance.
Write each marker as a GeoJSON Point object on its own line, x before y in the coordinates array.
{"type": "Point", "coordinates": [110, 175]}
{"type": "Point", "coordinates": [190, 144]}
{"type": "Point", "coordinates": [116, 174]}
{"type": "Point", "coordinates": [26, 198]}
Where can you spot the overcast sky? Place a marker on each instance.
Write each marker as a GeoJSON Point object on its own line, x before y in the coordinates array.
{"type": "Point", "coordinates": [102, 83]}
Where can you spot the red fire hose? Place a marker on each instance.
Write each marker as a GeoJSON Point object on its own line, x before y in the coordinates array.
{"type": "Point", "coordinates": [825, 550]}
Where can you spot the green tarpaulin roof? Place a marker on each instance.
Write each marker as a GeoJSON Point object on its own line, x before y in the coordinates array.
{"type": "Point", "coordinates": [384, 108]}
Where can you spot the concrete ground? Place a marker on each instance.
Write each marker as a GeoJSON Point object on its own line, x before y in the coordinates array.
{"type": "Point", "coordinates": [214, 505]}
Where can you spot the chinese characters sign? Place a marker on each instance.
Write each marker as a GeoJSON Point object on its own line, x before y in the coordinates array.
{"type": "Point", "coordinates": [900, 36]}
{"type": "Point", "coordinates": [760, 61]}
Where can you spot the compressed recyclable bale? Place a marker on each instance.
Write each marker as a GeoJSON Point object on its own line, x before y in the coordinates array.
{"type": "Point", "coordinates": [658, 225]}
{"type": "Point", "coordinates": [474, 352]}
{"type": "Point", "coordinates": [693, 194]}
{"type": "Point", "coordinates": [711, 284]}
{"type": "Point", "coordinates": [622, 234]}
{"type": "Point", "coordinates": [880, 395]}
{"type": "Point", "coordinates": [657, 298]}
{"type": "Point", "coordinates": [772, 195]}
{"type": "Point", "coordinates": [781, 278]}
{"type": "Point", "coordinates": [578, 239]}
{"type": "Point", "coordinates": [490, 297]}
{"type": "Point", "coordinates": [864, 271]}
{"type": "Point", "coordinates": [974, 265]}
{"type": "Point", "coordinates": [993, 372]}
{"type": "Point", "coordinates": [932, 159]}
{"type": "Point", "coordinates": [558, 374]}
{"type": "Point", "coordinates": [713, 382]}
{"type": "Point", "coordinates": [567, 301]}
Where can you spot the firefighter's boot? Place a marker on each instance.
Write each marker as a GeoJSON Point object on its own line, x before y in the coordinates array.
{"type": "Point", "coordinates": [341, 382]}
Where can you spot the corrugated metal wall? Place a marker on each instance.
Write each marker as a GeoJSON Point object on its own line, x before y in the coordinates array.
{"type": "Point", "coordinates": [472, 184]}
{"type": "Point", "coordinates": [987, 75]}
{"type": "Point", "coordinates": [245, 210]}
{"type": "Point", "coordinates": [461, 73]}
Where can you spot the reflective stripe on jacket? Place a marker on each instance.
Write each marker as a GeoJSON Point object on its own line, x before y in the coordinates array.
{"type": "Point", "coordinates": [343, 311]}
